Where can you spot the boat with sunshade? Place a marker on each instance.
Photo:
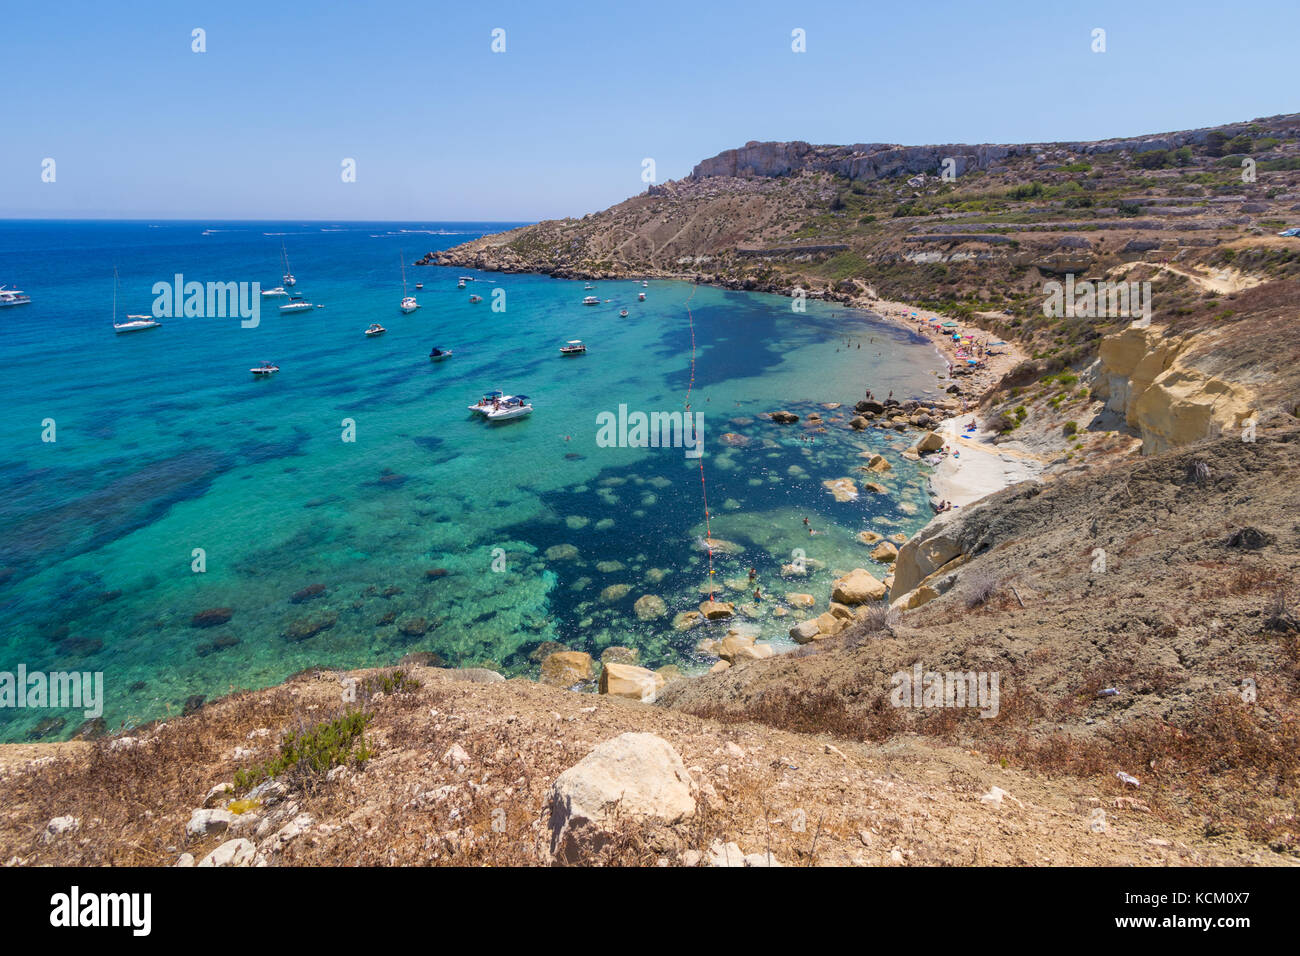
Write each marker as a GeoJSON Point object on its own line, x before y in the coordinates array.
{"type": "Point", "coordinates": [514, 406]}
{"type": "Point", "coordinates": [491, 400]}
{"type": "Point", "coordinates": [265, 369]}
{"type": "Point", "coordinates": [591, 300]}
{"type": "Point", "coordinates": [573, 347]}
{"type": "Point", "coordinates": [375, 329]}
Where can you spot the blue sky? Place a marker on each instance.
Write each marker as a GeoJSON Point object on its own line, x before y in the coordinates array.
{"type": "Point", "coordinates": [443, 128]}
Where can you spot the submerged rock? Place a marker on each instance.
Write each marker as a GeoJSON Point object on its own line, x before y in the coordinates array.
{"type": "Point", "coordinates": [309, 593]}
{"type": "Point", "coordinates": [212, 617]}
{"type": "Point", "coordinates": [649, 607]}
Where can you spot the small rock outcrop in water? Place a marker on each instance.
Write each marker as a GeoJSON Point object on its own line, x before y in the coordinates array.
{"type": "Point", "coordinates": [633, 777]}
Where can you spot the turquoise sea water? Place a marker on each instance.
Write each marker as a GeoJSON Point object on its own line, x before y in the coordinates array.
{"type": "Point", "coordinates": [166, 444]}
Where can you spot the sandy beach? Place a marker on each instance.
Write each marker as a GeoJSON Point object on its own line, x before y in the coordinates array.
{"type": "Point", "coordinates": [972, 466]}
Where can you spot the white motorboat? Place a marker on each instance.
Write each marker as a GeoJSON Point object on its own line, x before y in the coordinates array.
{"type": "Point", "coordinates": [133, 323]}
{"type": "Point", "coordinates": [460, 284]}
{"type": "Point", "coordinates": [288, 278]}
{"type": "Point", "coordinates": [573, 347]}
{"type": "Point", "coordinates": [13, 297]}
{"type": "Point", "coordinates": [476, 298]}
{"type": "Point", "coordinates": [644, 284]}
{"type": "Point", "coordinates": [640, 297]}
{"type": "Point", "coordinates": [439, 355]}
{"type": "Point", "coordinates": [622, 313]}
{"type": "Point", "coordinates": [588, 287]}
{"type": "Point", "coordinates": [375, 329]}
{"type": "Point", "coordinates": [266, 368]}
{"type": "Point", "coordinates": [591, 300]}
{"type": "Point", "coordinates": [515, 406]}
{"type": "Point", "coordinates": [277, 291]}
{"type": "Point", "coordinates": [419, 286]}
{"type": "Point", "coordinates": [490, 401]}
{"type": "Point", "coordinates": [408, 301]}
{"type": "Point", "coordinates": [297, 303]}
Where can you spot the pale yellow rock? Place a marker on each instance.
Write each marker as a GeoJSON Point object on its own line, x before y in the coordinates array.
{"type": "Point", "coordinates": [630, 681]}
{"type": "Point", "coordinates": [857, 587]}
{"type": "Point", "coordinates": [648, 607]}
{"type": "Point", "coordinates": [927, 443]}
{"type": "Point", "coordinates": [875, 488]}
{"type": "Point", "coordinates": [753, 652]}
{"type": "Point", "coordinates": [565, 668]}
{"type": "Point", "coordinates": [730, 646]}
{"type": "Point", "coordinates": [919, 596]}
{"type": "Point", "coordinates": [796, 599]}
{"type": "Point", "coordinates": [841, 611]}
{"type": "Point", "coordinates": [719, 667]}
{"type": "Point", "coordinates": [885, 552]}
{"type": "Point", "coordinates": [717, 610]}
{"type": "Point", "coordinates": [878, 464]}
{"type": "Point", "coordinates": [869, 537]}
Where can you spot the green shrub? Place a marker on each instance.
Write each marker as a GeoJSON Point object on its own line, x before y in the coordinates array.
{"type": "Point", "coordinates": [1070, 428]}
{"type": "Point", "coordinates": [312, 752]}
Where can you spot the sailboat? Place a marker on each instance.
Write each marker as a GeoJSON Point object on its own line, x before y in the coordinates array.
{"type": "Point", "coordinates": [288, 279]}
{"type": "Point", "coordinates": [133, 323]}
{"type": "Point", "coordinates": [408, 301]}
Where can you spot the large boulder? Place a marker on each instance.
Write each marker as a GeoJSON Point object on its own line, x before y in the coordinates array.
{"type": "Point", "coordinates": [927, 443]}
{"type": "Point", "coordinates": [717, 610]}
{"type": "Point", "coordinates": [566, 668]}
{"type": "Point", "coordinates": [630, 681]}
{"type": "Point", "coordinates": [857, 587]}
{"type": "Point", "coordinates": [632, 778]}
{"type": "Point", "coordinates": [928, 550]}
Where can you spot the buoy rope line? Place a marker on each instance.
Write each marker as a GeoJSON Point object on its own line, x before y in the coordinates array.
{"type": "Point", "coordinates": [704, 488]}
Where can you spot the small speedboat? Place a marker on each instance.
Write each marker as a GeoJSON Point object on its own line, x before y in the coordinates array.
{"type": "Point", "coordinates": [491, 400]}
{"type": "Point", "coordinates": [437, 355]}
{"type": "Point", "coordinates": [640, 297]}
{"type": "Point", "coordinates": [644, 284]}
{"type": "Point", "coordinates": [573, 347]}
{"type": "Point", "coordinates": [270, 293]}
{"type": "Point", "coordinates": [419, 286]}
{"type": "Point", "coordinates": [136, 323]}
{"type": "Point", "coordinates": [375, 329]}
{"type": "Point", "coordinates": [409, 304]}
{"type": "Point", "coordinates": [589, 286]}
{"type": "Point", "coordinates": [622, 313]}
{"type": "Point", "coordinates": [476, 298]}
{"type": "Point", "coordinates": [591, 300]}
{"type": "Point", "coordinates": [297, 303]}
{"type": "Point", "coordinates": [460, 284]}
{"type": "Point", "coordinates": [266, 368]}
{"type": "Point", "coordinates": [514, 406]}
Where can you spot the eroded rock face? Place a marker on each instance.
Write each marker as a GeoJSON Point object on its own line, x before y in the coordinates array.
{"type": "Point", "coordinates": [1144, 375]}
{"type": "Point", "coordinates": [636, 777]}
{"type": "Point", "coordinates": [928, 550]}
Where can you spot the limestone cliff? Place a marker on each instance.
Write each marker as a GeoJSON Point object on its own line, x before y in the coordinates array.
{"type": "Point", "coordinates": [1158, 382]}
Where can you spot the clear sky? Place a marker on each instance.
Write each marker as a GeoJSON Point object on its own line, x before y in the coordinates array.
{"type": "Point", "coordinates": [442, 128]}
